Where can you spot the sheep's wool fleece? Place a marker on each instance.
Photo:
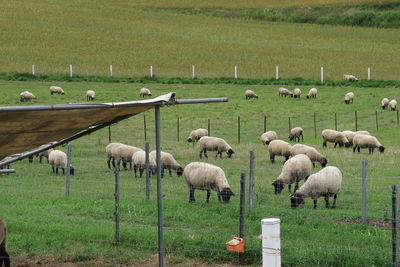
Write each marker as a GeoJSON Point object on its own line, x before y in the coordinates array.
{"type": "Point", "coordinates": [295, 169]}
{"type": "Point", "coordinates": [326, 181]}
{"type": "Point", "coordinates": [58, 158]}
{"type": "Point", "coordinates": [270, 135]}
{"type": "Point", "coordinates": [279, 147]}
{"type": "Point", "coordinates": [349, 96]}
{"type": "Point", "coordinates": [197, 134]}
{"type": "Point", "coordinates": [139, 159]}
{"type": "Point", "coordinates": [364, 141]}
{"type": "Point", "coordinates": [202, 175]}
{"type": "Point", "coordinates": [310, 151]}
{"type": "Point", "coordinates": [213, 143]}
{"type": "Point", "coordinates": [166, 159]}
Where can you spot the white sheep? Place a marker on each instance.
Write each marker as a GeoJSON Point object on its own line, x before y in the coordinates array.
{"type": "Point", "coordinates": [268, 136]}
{"type": "Point", "coordinates": [349, 97]}
{"type": "Point", "coordinates": [195, 135]}
{"type": "Point", "coordinates": [393, 104]}
{"type": "Point", "coordinates": [139, 162]}
{"type": "Point", "coordinates": [295, 133]}
{"type": "Point", "coordinates": [90, 95]}
{"type": "Point", "coordinates": [384, 103]}
{"type": "Point", "coordinates": [279, 148]}
{"type": "Point", "coordinates": [350, 135]}
{"type": "Point", "coordinates": [294, 170]}
{"type": "Point", "coordinates": [367, 141]}
{"type": "Point", "coordinates": [204, 176]}
{"type": "Point", "coordinates": [4, 257]}
{"type": "Point", "coordinates": [26, 96]}
{"type": "Point", "coordinates": [250, 94]}
{"type": "Point", "coordinates": [168, 162]}
{"type": "Point", "coordinates": [210, 143]}
{"type": "Point", "coordinates": [124, 153]}
{"type": "Point", "coordinates": [312, 93]}
{"type": "Point", "coordinates": [284, 92]}
{"type": "Point", "coordinates": [326, 183]}
{"type": "Point", "coordinates": [42, 154]}
{"type": "Point", "coordinates": [145, 92]}
{"type": "Point", "coordinates": [110, 151]}
{"type": "Point", "coordinates": [350, 78]}
{"type": "Point", "coordinates": [311, 152]}
{"type": "Point", "coordinates": [334, 137]}
{"type": "Point", "coordinates": [296, 93]}
{"type": "Point", "coordinates": [58, 159]}
{"type": "Point", "coordinates": [56, 90]}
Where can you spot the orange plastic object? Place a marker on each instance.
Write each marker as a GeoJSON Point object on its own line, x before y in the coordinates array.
{"type": "Point", "coordinates": [236, 244]}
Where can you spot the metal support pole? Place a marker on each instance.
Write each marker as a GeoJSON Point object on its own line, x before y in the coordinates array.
{"type": "Point", "coordinates": [67, 171]}
{"type": "Point", "coordinates": [209, 127]}
{"type": "Point", "coordinates": [235, 72]}
{"type": "Point", "coordinates": [109, 133]}
{"type": "Point", "coordinates": [315, 125]}
{"type": "Point", "coordinates": [144, 128]}
{"type": "Point", "coordinates": [241, 217]}
{"type": "Point", "coordinates": [147, 171]}
{"type": "Point", "coordinates": [159, 192]}
{"type": "Point", "coordinates": [238, 129]}
{"type": "Point", "coordinates": [355, 117]}
{"type": "Point", "coordinates": [394, 226]}
{"type": "Point", "coordinates": [364, 192]}
{"type": "Point", "coordinates": [265, 124]}
{"type": "Point", "coordinates": [177, 128]}
{"type": "Point", "coordinates": [376, 120]}
{"type": "Point", "coordinates": [251, 181]}
{"type": "Point", "coordinates": [335, 121]}
{"type": "Point", "coordinates": [116, 212]}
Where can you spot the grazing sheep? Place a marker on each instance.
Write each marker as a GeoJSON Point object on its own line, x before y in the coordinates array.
{"type": "Point", "coordinates": [195, 135]}
{"type": "Point", "coordinates": [42, 154]}
{"type": "Point", "coordinates": [334, 137]}
{"type": "Point", "coordinates": [4, 257]}
{"type": "Point", "coordinates": [209, 143]}
{"type": "Point", "coordinates": [296, 133]}
{"type": "Point", "coordinates": [279, 148]}
{"type": "Point", "coordinates": [90, 95]}
{"type": "Point", "coordinates": [393, 104]}
{"type": "Point", "coordinates": [324, 183]}
{"type": "Point", "coordinates": [312, 93]}
{"type": "Point", "coordinates": [268, 136]}
{"type": "Point", "coordinates": [384, 103]}
{"type": "Point", "coordinates": [26, 96]}
{"type": "Point", "coordinates": [139, 162]}
{"type": "Point", "coordinates": [110, 148]}
{"type": "Point", "coordinates": [296, 93]}
{"type": "Point", "coordinates": [58, 159]}
{"type": "Point", "coordinates": [124, 153]}
{"type": "Point", "coordinates": [350, 135]}
{"type": "Point", "coordinates": [294, 170]}
{"type": "Point", "coordinates": [367, 141]}
{"type": "Point", "coordinates": [56, 90]}
{"type": "Point", "coordinates": [250, 94]}
{"type": "Point", "coordinates": [284, 92]}
{"type": "Point", "coordinates": [350, 78]}
{"type": "Point", "coordinates": [145, 92]}
{"type": "Point", "coordinates": [204, 176]}
{"type": "Point", "coordinates": [311, 152]}
{"type": "Point", "coordinates": [349, 97]}
{"type": "Point", "coordinates": [168, 162]}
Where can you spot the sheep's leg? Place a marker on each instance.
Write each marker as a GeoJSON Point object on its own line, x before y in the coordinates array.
{"type": "Point", "coordinates": [327, 201]}
{"type": "Point", "coordinates": [170, 172]}
{"type": "Point", "coordinates": [272, 158]}
{"type": "Point", "coordinates": [336, 144]}
{"type": "Point", "coordinates": [324, 144]}
{"type": "Point", "coordinates": [53, 169]}
{"type": "Point", "coordinates": [124, 164]}
{"type": "Point", "coordinates": [313, 164]}
{"type": "Point", "coordinates": [358, 149]}
{"type": "Point", "coordinates": [286, 158]}
{"type": "Point", "coordinates": [208, 195]}
{"type": "Point", "coordinates": [296, 187]}
{"type": "Point", "coordinates": [334, 201]}
{"type": "Point", "coordinates": [108, 163]}
{"type": "Point", "coordinates": [315, 203]}
{"type": "Point", "coordinates": [201, 153]}
{"type": "Point", "coordinates": [290, 188]}
{"type": "Point", "coordinates": [4, 257]}
{"type": "Point", "coordinates": [40, 159]}
{"type": "Point", "coordinates": [134, 170]}
{"type": "Point", "coordinates": [141, 172]}
{"type": "Point", "coordinates": [219, 196]}
{"type": "Point", "coordinates": [63, 170]}
{"type": "Point", "coordinates": [162, 173]}
{"type": "Point", "coordinates": [354, 149]}
{"type": "Point", "coordinates": [191, 196]}
{"type": "Point", "coordinates": [205, 153]}
{"type": "Point", "coordinates": [56, 170]}
{"type": "Point", "coordinates": [113, 162]}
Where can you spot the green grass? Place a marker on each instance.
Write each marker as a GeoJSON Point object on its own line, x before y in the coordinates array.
{"type": "Point", "coordinates": [81, 229]}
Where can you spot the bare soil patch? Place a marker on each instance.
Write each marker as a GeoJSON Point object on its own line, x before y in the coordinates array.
{"type": "Point", "coordinates": [383, 225]}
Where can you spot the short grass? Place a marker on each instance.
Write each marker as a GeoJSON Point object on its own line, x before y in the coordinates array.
{"type": "Point", "coordinates": [42, 221]}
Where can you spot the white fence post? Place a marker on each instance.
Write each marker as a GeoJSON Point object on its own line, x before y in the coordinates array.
{"type": "Point", "coordinates": [322, 74]}
{"type": "Point", "coordinates": [151, 71]}
{"type": "Point", "coordinates": [111, 71]}
{"type": "Point", "coordinates": [369, 74]}
{"type": "Point", "coordinates": [236, 72]}
{"type": "Point", "coordinates": [271, 242]}
{"type": "Point", "coordinates": [277, 72]}
{"type": "Point", "coordinates": [193, 72]}
{"type": "Point", "coordinates": [33, 69]}
{"type": "Point", "coordinates": [70, 70]}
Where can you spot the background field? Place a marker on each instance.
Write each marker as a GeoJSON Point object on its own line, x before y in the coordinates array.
{"type": "Point", "coordinates": [81, 229]}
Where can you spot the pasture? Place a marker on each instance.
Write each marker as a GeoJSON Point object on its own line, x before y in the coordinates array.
{"type": "Point", "coordinates": [42, 221]}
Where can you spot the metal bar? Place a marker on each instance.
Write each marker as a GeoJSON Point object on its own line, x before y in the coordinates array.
{"type": "Point", "coordinates": [109, 133]}
{"type": "Point", "coordinates": [159, 190]}
{"type": "Point", "coordinates": [147, 171]}
{"type": "Point", "coordinates": [67, 180]}
{"type": "Point", "coordinates": [116, 212]}
{"type": "Point", "coordinates": [394, 226]}
{"type": "Point", "coordinates": [4, 171]}
{"type": "Point", "coordinates": [201, 100]}
{"type": "Point", "coordinates": [251, 181]}
{"type": "Point", "coordinates": [144, 128]}
{"type": "Point", "coordinates": [241, 216]}
{"type": "Point", "coordinates": [364, 192]}
{"type": "Point", "coordinates": [209, 127]}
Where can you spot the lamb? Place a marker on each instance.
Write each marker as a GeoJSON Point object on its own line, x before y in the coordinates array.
{"type": "Point", "coordinates": [284, 92]}
{"type": "Point", "coordinates": [110, 148]}
{"type": "Point", "coordinates": [364, 141]}
{"type": "Point", "coordinates": [384, 103]}
{"type": "Point", "coordinates": [4, 257]}
{"type": "Point", "coordinates": [26, 96]}
{"type": "Point", "coordinates": [145, 92]}
{"type": "Point", "coordinates": [139, 163]}
{"type": "Point", "coordinates": [350, 135]}
{"type": "Point", "coordinates": [204, 176]}
{"type": "Point", "coordinates": [350, 78]}
{"type": "Point", "coordinates": [393, 104]}
{"type": "Point", "coordinates": [214, 144]}
{"type": "Point", "coordinates": [349, 97]}
{"type": "Point", "coordinates": [168, 162]}
{"type": "Point", "coordinates": [58, 159]}
{"type": "Point", "coordinates": [324, 183]}
{"type": "Point", "coordinates": [279, 148]}
{"type": "Point", "coordinates": [294, 170]}
{"type": "Point", "coordinates": [195, 135]}
{"type": "Point", "coordinates": [90, 95]}
{"type": "Point", "coordinates": [250, 94]}
{"type": "Point", "coordinates": [312, 93]}
{"type": "Point", "coordinates": [56, 90]}
{"type": "Point", "coordinates": [335, 137]}
{"type": "Point", "coordinates": [268, 136]}
{"type": "Point", "coordinates": [296, 93]}
{"type": "Point", "coordinates": [296, 133]}
{"type": "Point", "coordinates": [124, 153]}
{"type": "Point", "coordinates": [311, 152]}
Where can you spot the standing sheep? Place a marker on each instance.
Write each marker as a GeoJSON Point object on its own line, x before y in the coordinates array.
{"type": "Point", "coordinates": [334, 137]}
{"type": "Point", "coordinates": [349, 97]}
{"type": "Point", "coordinates": [367, 141]}
{"type": "Point", "coordinates": [209, 143]}
{"type": "Point", "coordinates": [326, 183]}
{"type": "Point", "coordinates": [58, 159]}
{"type": "Point", "coordinates": [195, 135]}
{"type": "Point", "coordinates": [294, 170]}
{"type": "Point", "coordinates": [139, 163]}
{"type": "Point", "coordinates": [296, 93]}
{"type": "Point", "coordinates": [4, 257]}
{"type": "Point", "coordinates": [350, 78]}
{"type": "Point", "coordinates": [56, 90]}
{"type": "Point", "coordinates": [90, 95]}
{"type": "Point", "coordinates": [295, 133]}
{"type": "Point", "coordinates": [393, 104]}
{"type": "Point", "coordinates": [124, 153]}
{"type": "Point", "coordinates": [250, 94]}
{"type": "Point", "coordinates": [284, 92]}
{"type": "Point", "coordinates": [268, 136]}
{"type": "Point", "coordinates": [204, 176]}
{"type": "Point", "coordinates": [384, 103]}
{"type": "Point", "coordinates": [168, 162]}
{"type": "Point", "coordinates": [279, 148]}
{"type": "Point", "coordinates": [312, 93]}
{"type": "Point", "coordinates": [310, 151]}
{"type": "Point", "coordinates": [110, 151]}
{"type": "Point", "coordinates": [350, 135]}
{"type": "Point", "coordinates": [145, 92]}
{"type": "Point", "coordinates": [26, 96]}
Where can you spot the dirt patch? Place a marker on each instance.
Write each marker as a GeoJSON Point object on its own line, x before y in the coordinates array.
{"type": "Point", "coordinates": [383, 225]}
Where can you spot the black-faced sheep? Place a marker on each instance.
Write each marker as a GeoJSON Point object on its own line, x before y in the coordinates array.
{"type": "Point", "coordinates": [110, 151]}
{"type": "Point", "coordinates": [56, 90]}
{"type": "Point", "coordinates": [268, 136]}
{"type": "Point", "coordinates": [168, 162]}
{"type": "Point", "coordinates": [393, 104]}
{"type": "Point", "coordinates": [58, 160]}
{"type": "Point", "coordinates": [326, 183]}
{"type": "Point", "coordinates": [384, 103]}
{"type": "Point", "coordinates": [350, 135]}
{"type": "Point", "coordinates": [367, 141]}
{"type": "Point", "coordinates": [310, 151]}
{"type": "Point", "coordinates": [139, 163]}
{"type": "Point", "coordinates": [296, 93]}
{"type": "Point", "coordinates": [145, 92]}
{"type": "Point", "coordinates": [312, 93]}
{"type": "Point", "coordinates": [4, 257]}
{"type": "Point", "coordinates": [296, 133]}
{"type": "Point", "coordinates": [350, 78]}
{"type": "Point", "coordinates": [284, 92]}
{"type": "Point", "coordinates": [195, 135]}
{"type": "Point", "coordinates": [26, 96]}
{"type": "Point", "coordinates": [279, 148]}
{"type": "Point", "coordinates": [349, 97]}
{"type": "Point", "coordinates": [124, 153]}
{"type": "Point", "coordinates": [250, 94]}
{"type": "Point", "coordinates": [210, 143]}
{"type": "Point", "coordinates": [204, 176]}
{"type": "Point", "coordinates": [90, 95]}
{"type": "Point", "coordinates": [334, 137]}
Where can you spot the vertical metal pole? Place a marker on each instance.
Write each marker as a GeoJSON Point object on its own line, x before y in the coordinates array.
{"type": "Point", "coordinates": [147, 171]}
{"type": "Point", "coordinates": [116, 212]}
{"type": "Point", "coordinates": [144, 128]}
{"type": "Point", "coordinates": [251, 181]}
{"type": "Point", "coordinates": [364, 191]}
{"type": "Point", "coordinates": [315, 125]}
{"type": "Point", "coordinates": [209, 127]}
{"type": "Point", "coordinates": [290, 125]}
{"type": "Point", "coordinates": [33, 69]}
{"type": "Point", "coordinates": [265, 124]}
{"type": "Point", "coordinates": [177, 129]}
{"type": "Point", "coordinates": [241, 217]}
{"type": "Point", "coordinates": [109, 133]}
{"type": "Point", "coordinates": [394, 225]}
{"type": "Point", "coordinates": [335, 122]}
{"type": "Point", "coordinates": [159, 192]}
{"type": "Point", "coordinates": [67, 171]}
{"type": "Point", "coordinates": [355, 116]}
{"type": "Point", "coordinates": [238, 129]}
{"type": "Point", "coordinates": [376, 120]}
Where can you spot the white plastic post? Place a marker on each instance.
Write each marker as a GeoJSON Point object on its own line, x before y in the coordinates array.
{"type": "Point", "coordinates": [193, 72]}
{"type": "Point", "coordinates": [236, 72]}
{"type": "Point", "coordinates": [33, 69]}
{"type": "Point", "coordinates": [151, 71]}
{"type": "Point", "coordinates": [271, 242]}
{"type": "Point", "coordinates": [322, 74]}
{"type": "Point", "coordinates": [70, 70]}
{"type": "Point", "coordinates": [369, 74]}
{"type": "Point", "coordinates": [277, 72]}
{"type": "Point", "coordinates": [111, 74]}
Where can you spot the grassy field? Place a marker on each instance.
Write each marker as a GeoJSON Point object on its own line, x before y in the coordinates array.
{"type": "Point", "coordinates": [42, 221]}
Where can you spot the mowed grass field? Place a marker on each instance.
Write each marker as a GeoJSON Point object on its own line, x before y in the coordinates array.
{"type": "Point", "coordinates": [134, 35]}
{"type": "Point", "coordinates": [44, 223]}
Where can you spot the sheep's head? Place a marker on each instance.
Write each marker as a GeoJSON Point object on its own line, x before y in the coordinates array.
{"type": "Point", "coordinates": [324, 162]}
{"type": "Point", "coordinates": [381, 149]}
{"type": "Point", "coordinates": [296, 200]}
{"type": "Point", "coordinates": [226, 195]}
{"type": "Point", "coordinates": [266, 142]}
{"type": "Point", "coordinates": [278, 185]}
{"type": "Point", "coordinates": [189, 140]}
{"type": "Point", "coordinates": [179, 171]}
{"type": "Point", "coordinates": [291, 137]}
{"type": "Point", "coordinates": [383, 106]}
{"type": "Point", "coordinates": [307, 97]}
{"type": "Point", "coordinates": [230, 152]}
{"type": "Point", "coordinates": [71, 170]}
{"type": "Point", "coordinates": [347, 144]}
